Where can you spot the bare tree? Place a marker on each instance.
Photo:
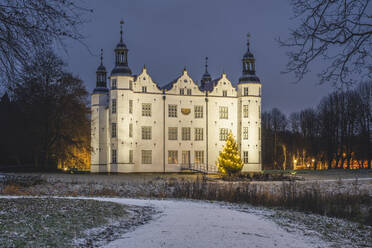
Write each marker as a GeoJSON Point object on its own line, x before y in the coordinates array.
{"type": "Point", "coordinates": [339, 32]}
{"type": "Point", "coordinates": [27, 26]}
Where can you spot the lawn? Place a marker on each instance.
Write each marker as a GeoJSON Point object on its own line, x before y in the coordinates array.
{"type": "Point", "coordinates": [51, 222]}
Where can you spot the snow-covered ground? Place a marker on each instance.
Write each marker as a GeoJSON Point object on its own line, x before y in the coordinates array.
{"type": "Point", "coordinates": [202, 224]}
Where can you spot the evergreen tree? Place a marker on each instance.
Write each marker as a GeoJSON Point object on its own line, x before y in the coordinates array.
{"type": "Point", "coordinates": [229, 161]}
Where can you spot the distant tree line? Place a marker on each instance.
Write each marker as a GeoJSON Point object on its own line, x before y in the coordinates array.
{"type": "Point", "coordinates": [335, 134]}
{"type": "Point", "coordinates": [45, 116]}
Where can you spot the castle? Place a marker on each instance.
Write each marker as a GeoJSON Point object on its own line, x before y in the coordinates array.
{"type": "Point", "coordinates": [139, 126]}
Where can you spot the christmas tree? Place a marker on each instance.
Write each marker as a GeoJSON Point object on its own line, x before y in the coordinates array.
{"type": "Point", "coordinates": [229, 161]}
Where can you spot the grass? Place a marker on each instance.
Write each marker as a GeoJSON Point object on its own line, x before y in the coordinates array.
{"type": "Point", "coordinates": [50, 222]}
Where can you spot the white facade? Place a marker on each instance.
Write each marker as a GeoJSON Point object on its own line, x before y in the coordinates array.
{"type": "Point", "coordinates": [138, 126]}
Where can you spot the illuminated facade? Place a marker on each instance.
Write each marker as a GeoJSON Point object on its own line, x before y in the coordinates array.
{"type": "Point", "coordinates": [139, 126]}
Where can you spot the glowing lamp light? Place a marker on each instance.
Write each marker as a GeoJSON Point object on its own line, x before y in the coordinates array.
{"type": "Point", "coordinates": [295, 160]}
{"type": "Point", "coordinates": [313, 160]}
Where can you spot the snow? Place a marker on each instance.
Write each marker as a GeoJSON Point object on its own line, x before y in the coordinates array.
{"type": "Point", "coordinates": [201, 224]}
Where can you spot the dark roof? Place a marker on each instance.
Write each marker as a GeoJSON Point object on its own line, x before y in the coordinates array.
{"type": "Point", "coordinates": [249, 79]}
{"type": "Point", "coordinates": [101, 68]}
{"type": "Point", "coordinates": [209, 86]}
{"type": "Point", "coordinates": [169, 86]}
{"type": "Point", "coordinates": [100, 90]}
{"type": "Point", "coordinates": [121, 70]}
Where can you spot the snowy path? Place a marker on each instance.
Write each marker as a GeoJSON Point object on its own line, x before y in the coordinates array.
{"type": "Point", "coordinates": [196, 224]}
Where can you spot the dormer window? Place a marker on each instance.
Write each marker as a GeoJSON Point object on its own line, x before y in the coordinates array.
{"type": "Point", "coordinates": [189, 92]}
{"type": "Point", "coordinates": [246, 91]}
{"type": "Point", "coordinates": [224, 93]}
{"type": "Point", "coordinates": [182, 91]}
{"type": "Point", "coordinates": [113, 83]}
{"type": "Point", "coordinates": [144, 89]}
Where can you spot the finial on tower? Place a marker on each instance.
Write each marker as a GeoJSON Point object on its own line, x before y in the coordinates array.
{"type": "Point", "coordinates": [206, 64]}
{"type": "Point", "coordinates": [121, 30]}
{"type": "Point", "coordinates": [101, 56]}
{"type": "Point", "coordinates": [248, 42]}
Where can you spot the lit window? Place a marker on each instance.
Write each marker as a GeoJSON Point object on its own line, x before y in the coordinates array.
{"type": "Point", "coordinates": [199, 157]}
{"type": "Point", "coordinates": [144, 89]}
{"type": "Point", "coordinates": [113, 83]}
{"type": "Point", "coordinates": [224, 93]}
{"type": "Point", "coordinates": [130, 106]}
{"type": "Point", "coordinates": [189, 92]}
{"type": "Point", "coordinates": [223, 134]}
{"type": "Point", "coordinates": [198, 110]}
{"type": "Point", "coordinates": [245, 111]}
{"type": "Point", "coordinates": [224, 113]}
{"type": "Point", "coordinates": [186, 133]}
{"type": "Point", "coordinates": [146, 156]}
{"type": "Point", "coordinates": [130, 130]}
{"type": "Point", "coordinates": [172, 110]}
{"type": "Point", "coordinates": [245, 133]}
{"type": "Point", "coordinates": [146, 109]}
{"type": "Point", "coordinates": [245, 157]}
{"type": "Point", "coordinates": [131, 156]}
{"type": "Point", "coordinates": [172, 157]}
{"type": "Point", "coordinates": [113, 106]}
{"type": "Point", "coordinates": [182, 91]}
{"type": "Point", "coordinates": [172, 133]}
{"type": "Point", "coordinates": [113, 130]}
{"type": "Point", "coordinates": [146, 133]}
{"type": "Point", "coordinates": [198, 133]}
{"type": "Point", "coordinates": [113, 156]}
{"type": "Point", "coordinates": [246, 91]}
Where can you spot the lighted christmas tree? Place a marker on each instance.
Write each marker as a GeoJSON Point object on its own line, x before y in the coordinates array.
{"type": "Point", "coordinates": [229, 161]}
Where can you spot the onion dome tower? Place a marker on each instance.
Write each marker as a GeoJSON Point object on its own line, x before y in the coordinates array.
{"type": "Point", "coordinates": [101, 77]}
{"type": "Point", "coordinates": [206, 77]}
{"type": "Point", "coordinates": [121, 57]}
{"type": "Point", "coordinates": [249, 70]}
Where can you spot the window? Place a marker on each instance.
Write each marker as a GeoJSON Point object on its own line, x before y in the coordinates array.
{"type": "Point", "coordinates": [246, 91]}
{"type": "Point", "coordinates": [189, 92]}
{"type": "Point", "coordinates": [186, 133]}
{"type": "Point", "coordinates": [182, 91]}
{"type": "Point", "coordinates": [113, 106]}
{"type": "Point", "coordinates": [131, 156]}
{"type": "Point", "coordinates": [199, 157]}
{"type": "Point", "coordinates": [130, 106]}
{"type": "Point", "coordinates": [224, 113]}
{"type": "Point", "coordinates": [144, 89]}
{"type": "Point", "coordinates": [146, 133]}
{"type": "Point", "coordinates": [172, 133]}
{"type": "Point", "coordinates": [113, 130]}
{"type": "Point", "coordinates": [198, 110]}
{"type": "Point", "coordinates": [172, 157]}
{"type": "Point", "coordinates": [198, 133]}
{"type": "Point", "coordinates": [259, 133]}
{"type": "Point", "coordinates": [224, 93]}
{"type": "Point", "coordinates": [245, 111]}
{"type": "Point", "coordinates": [146, 156]}
{"type": "Point", "coordinates": [245, 133]}
{"type": "Point", "coordinates": [130, 130]}
{"type": "Point", "coordinates": [113, 156]}
{"type": "Point", "coordinates": [146, 109]}
{"type": "Point", "coordinates": [223, 134]}
{"type": "Point", "coordinates": [131, 85]}
{"type": "Point", "coordinates": [259, 111]}
{"type": "Point", "coordinates": [172, 110]}
{"type": "Point", "coordinates": [245, 157]}
{"type": "Point", "coordinates": [113, 83]}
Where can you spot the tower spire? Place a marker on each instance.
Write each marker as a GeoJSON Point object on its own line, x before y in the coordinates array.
{"type": "Point", "coordinates": [249, 65]}
{"type": "Point", "coordinates": [248, 42]}
{"type": "Point", "coordinates": [121, 30]}
{"type": "Point", "coordinates": [206, 64]}
{"type": "Point", "coordinates": [101, 57]}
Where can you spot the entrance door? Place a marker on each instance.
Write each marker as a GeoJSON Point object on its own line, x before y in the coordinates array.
{"type": "Point", "coordinates": [186, 158]}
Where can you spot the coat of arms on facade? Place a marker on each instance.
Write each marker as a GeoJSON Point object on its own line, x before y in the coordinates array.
{"type": "Point", "coordinates": [185, 111]}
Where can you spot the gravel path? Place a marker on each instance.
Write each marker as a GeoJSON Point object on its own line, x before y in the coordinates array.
{"type": "Point", "coordinates": [198, 224]}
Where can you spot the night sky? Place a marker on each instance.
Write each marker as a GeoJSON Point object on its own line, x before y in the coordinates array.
{"type": "Point", "coordinates": [167, 35]}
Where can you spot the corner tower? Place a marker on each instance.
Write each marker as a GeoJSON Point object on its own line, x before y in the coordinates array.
{"type": "Point", "coordinates": [249, 113]}
{"type": "Point", "coordinates": [99, 105]}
